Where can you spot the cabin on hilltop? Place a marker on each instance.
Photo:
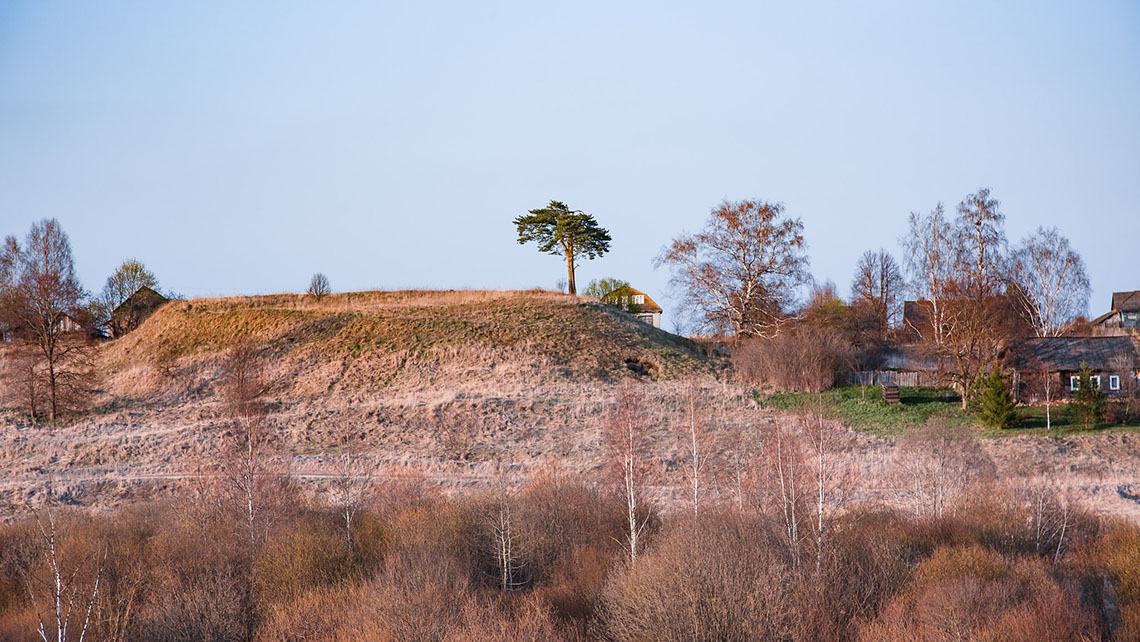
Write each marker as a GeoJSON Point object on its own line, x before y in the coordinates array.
{"type": "Point", "coordinates": [1123, 318]}
{"type": "Point", "coordinates": [636, 303]}
{"type": "Point", "coordinates": [134, 310]}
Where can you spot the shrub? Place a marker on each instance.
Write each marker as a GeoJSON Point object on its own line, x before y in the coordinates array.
{"type": "Point", "coordinates": [718, 578]}
{"type": "Point", "coordinates": [1087, 406]}
{"type": "Point", "coordinates": [804, 358]}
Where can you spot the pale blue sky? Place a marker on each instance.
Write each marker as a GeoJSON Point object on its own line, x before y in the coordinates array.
{"type": "Point", "coordinates": [239, 147]}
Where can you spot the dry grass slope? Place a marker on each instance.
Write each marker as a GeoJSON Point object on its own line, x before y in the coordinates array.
{"type": "Point", "coordinates": [413, 338]}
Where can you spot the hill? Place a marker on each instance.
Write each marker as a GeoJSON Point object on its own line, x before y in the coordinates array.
{"type": "Point", "coordinates": [410, 339]}
{"type": "Point", "coordinates": [446, 384]}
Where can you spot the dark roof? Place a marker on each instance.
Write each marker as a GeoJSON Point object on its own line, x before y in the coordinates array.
{"type": "Point", "coordinates": [1068, 353]}
{"type": "Point", "coordinates": [1126, 301]}
{"type": "Point", "coordinates": [910, 359]}
{"type": "Point", "coordinates": [1102, 318]}
{"type": "Point", "coordinates": [143, 298]}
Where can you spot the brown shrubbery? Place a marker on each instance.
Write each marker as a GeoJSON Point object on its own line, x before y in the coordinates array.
{"type": "Point", "coordinates": [422, 567]}
{"type": "Point", "coordinates": [802, 358]}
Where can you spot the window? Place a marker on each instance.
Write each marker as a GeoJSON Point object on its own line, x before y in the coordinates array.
{"type": "Point", "coordinates": [1095, 381]}
{"type": "Point", "coordinates": [1130, 319]}
{"type": "Point", "coordinates": [1074, 382]}
{"type": "Point", "coordinates": [1114, 382]}
{"type": "Point", "coordinates": [639, 299]}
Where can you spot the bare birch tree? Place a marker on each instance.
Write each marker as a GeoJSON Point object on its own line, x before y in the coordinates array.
{"type": "Point", "coordinates": [504, 536]}
{"type": "Point", "coordinates": [834, 481]}
{"type": "Point", "coordinates": [878, 287]}
{"type": "Point", "coordinates": [248, 471]}
{"type": "Point", "coordinates": [738, 274]}
{"type": "Point", "coordinates": [351, 484]}
{"type": "Point", "coordinates": [46, 290]}
{"type": "Point", "coordinates": [929, 251]}
{"type": "Point", "coordinates": [696, 437]}
{"type": "Point", "coordinates": [789, 486]}
{"type": "Point", "coordinates": [625, 436]}
{"type": "Point", "coordinates": [1051, 282]}
{"type": "Point", "coordinates": [67, 600]}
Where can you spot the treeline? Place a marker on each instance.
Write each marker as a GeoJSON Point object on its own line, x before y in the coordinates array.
{"type": "Point", "coordinates": [414, 565]}
{"type": "Point", "coordinates": [973, 293]}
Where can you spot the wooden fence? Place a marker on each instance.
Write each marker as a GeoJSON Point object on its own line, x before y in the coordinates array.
{"type": "Point", "coordinates": [896, 377]}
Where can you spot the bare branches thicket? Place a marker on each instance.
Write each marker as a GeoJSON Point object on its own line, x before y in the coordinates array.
{"type": "Point", "coordinates": [626, 435]}
{"type": "Point", "coordinates": [1051, 282]}
{"type": "Point", "coordinates": [319, 286]}
{"type": "Point", "coordinates": [941, 462]}
{"type": "Point", "coordinates": [738, 274]}
{"type": "Point", "coordinates": [802, 358]}
{"type": "Point", "coordinates": [23, 374]}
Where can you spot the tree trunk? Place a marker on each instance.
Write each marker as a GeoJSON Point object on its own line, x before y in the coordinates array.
{"type": "Point", "coordinates": [51, 385]}
{"type": "Point", "coordinates": [570, 272]}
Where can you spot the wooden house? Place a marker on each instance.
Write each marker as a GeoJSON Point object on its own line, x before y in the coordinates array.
{"type": "Point", "coordinates": [1123, 318]}
{"type": "Point", "coordinates": [134, 310]}
{"type": "Point", "coordinates": [1114, 361]}
{"type": "Point", "coordinates": [636, 303]}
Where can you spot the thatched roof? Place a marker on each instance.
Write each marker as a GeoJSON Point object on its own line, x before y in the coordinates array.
{"type": "Point", "coordinates": [1068, 353]}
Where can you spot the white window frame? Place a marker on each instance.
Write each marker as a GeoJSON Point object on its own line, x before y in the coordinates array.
{"type": "Point", "coordinates": [1114, 382]}
{"type": "Point", "coordinates": [639, 299]}
{"type": "Point", "coordinates": [1095, 381]}
{"type": "Point", "coordinates": [1074, 383]}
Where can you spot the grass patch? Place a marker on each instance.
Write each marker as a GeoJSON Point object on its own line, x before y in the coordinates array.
{"type": "Point", "coordinates": [863, 408]}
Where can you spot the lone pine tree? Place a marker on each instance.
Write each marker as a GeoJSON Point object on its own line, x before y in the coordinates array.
{"type": "Point", "coordinates": [996, 408]}
{"type": "Point", "coordinates": [560, 231]}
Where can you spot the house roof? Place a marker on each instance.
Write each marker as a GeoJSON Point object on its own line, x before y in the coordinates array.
{"type": "Point", "coordinates": [1104, 317]}
{"type": "Point", "coordinates": [1126, 301]}
{"type": "Point", "coordinates": [910, 359]}
{"type": "Point", "coordinates": [648, 306]}
{"type": "Point", "coordinates": [1068, 353]}
{"type": "Point", "coordinates": [143, 297]}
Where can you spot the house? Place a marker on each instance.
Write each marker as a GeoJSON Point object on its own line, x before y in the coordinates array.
{"type": "Point", "coordinates": [636, 303]}
{"type": "Point", "coordinates": [134, 310]}
{"type": "Point", "coordinates": [1115, 362]}
{"type": "Point", "coordinates": [65, 323]}
{"type": "Point", "coordinates": [1123, 318]}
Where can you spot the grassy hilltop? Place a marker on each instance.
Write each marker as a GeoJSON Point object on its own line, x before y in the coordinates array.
{"type": "Point", "coordinates": [402, 339]}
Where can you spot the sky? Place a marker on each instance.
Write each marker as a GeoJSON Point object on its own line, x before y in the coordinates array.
{"type": "Point", "coordinates": [237, 148]}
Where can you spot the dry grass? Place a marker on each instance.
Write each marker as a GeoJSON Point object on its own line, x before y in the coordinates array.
{"type": "Point", "coordinates": [369, 340]}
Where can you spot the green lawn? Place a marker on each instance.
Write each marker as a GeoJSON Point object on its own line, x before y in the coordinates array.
{"type": "Point", "coordinates": [863, 407]}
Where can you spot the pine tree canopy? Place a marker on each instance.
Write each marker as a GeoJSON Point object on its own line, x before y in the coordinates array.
{"type": "Point", "coordinates": [559, 230]}
{"type": "Point", "coordinates": [997, 409]}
